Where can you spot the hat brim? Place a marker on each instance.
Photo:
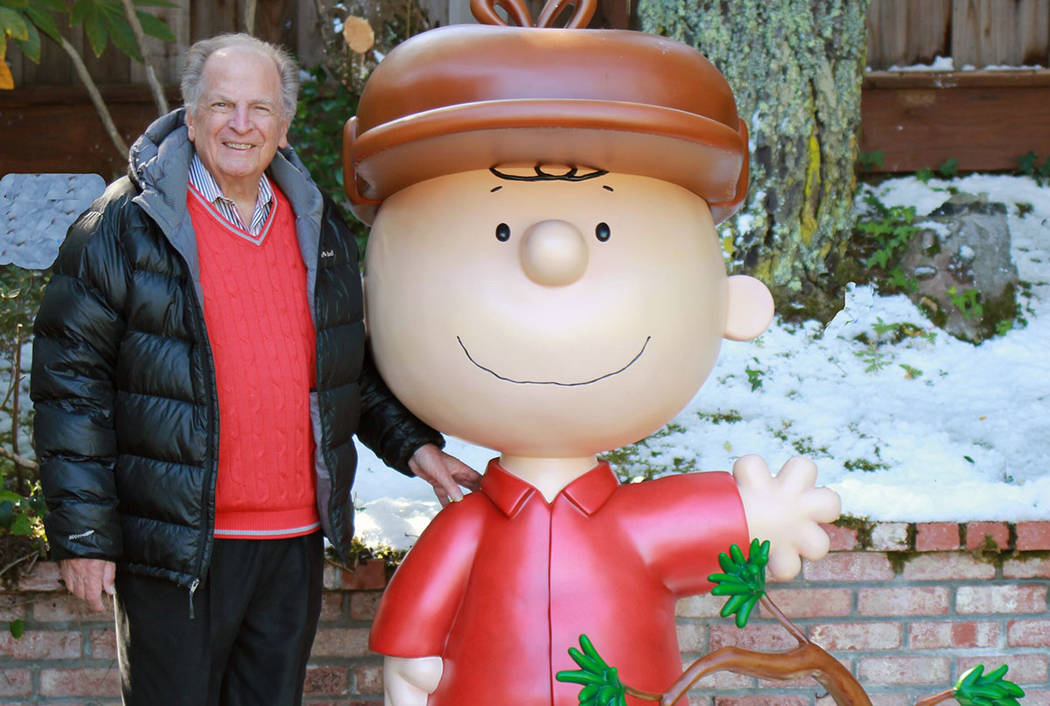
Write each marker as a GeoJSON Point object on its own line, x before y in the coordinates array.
{"type": "Point", "coordinates": [698, 153]}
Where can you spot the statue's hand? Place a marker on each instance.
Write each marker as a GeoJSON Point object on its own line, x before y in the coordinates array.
{"type": "Point", "coordinates": [786, 510]}
{"type": "Point", "coordinates": [409, 681]}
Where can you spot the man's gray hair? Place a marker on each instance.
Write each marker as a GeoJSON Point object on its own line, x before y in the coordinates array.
{"type": "Point", "coordinates": [193, 72]}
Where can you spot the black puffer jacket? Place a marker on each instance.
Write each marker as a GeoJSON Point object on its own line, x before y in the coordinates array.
{"type": "Point", "coordinates": [123, 379]}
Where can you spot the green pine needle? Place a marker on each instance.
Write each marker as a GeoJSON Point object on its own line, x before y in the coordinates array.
{"type": "Point", "coordinates": [975, 688]}
{"type": "Point", "coordinates": [743, 580]}
{"type": "Point", "coordinates": [601, 683]}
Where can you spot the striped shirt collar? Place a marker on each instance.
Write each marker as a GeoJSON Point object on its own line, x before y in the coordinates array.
{"type": "Point", "coordinates": [205, 183]}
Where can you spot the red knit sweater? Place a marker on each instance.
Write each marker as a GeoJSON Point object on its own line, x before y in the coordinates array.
{"type": "Point", "coordinates": [262, 339]}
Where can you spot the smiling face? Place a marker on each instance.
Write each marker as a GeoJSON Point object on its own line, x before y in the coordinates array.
{"type": "Point", "coordinates": [237, 124]}
{"type": "Point", "coordinates": [546, 318]}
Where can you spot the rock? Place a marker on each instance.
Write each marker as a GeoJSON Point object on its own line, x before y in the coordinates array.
{"type": "Point", "coordinates": [35, 212]}
{"type": "Point", "coordinates": [960, 262]}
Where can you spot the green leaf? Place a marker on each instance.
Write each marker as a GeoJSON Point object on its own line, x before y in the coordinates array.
{"type": "Point", "coordinates": [55, 5]}
{"type": "Point", "coordinates": [601, 683]}
{"type": "Point", "coordinates": [45, 21]}
{"type": "Point", "coordinates": [17, 628]}
{"type": "Point", "coordinates": [31, 46]}
{"type": "Point", "coordinates": [13, 25]}
{"type": "Point", "coordinates": [81, 9]}
{"type": "Point", "coordinates": [21, 526]}
{"type": "Point", "coordinates": [154, 3]}
{"type": "Point", "coordinates": [974, 688]}
{"type": "Point", "coordinates": [7, 514]}
{"type": "Point", "coordinates": [95, 29]}
{"type": "Point", "coordinates": [15, 4]}
{"type": "Point", "coordinates": [155, 27]}
{"type": "Point", "coordinates": [743, 580]}
{"type": "Point", "coordinates": [123, 37]}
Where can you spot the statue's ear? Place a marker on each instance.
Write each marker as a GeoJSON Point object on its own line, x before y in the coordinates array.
{"type": "Point", "coordinates": [750, 308]}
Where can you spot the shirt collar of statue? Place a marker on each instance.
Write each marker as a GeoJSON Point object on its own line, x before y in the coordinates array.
{"type": "Point", "coordinates": [510, 493]}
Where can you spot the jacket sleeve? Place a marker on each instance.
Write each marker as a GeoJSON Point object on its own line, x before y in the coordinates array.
{"type": "Point", "coordinates": [77, 336]}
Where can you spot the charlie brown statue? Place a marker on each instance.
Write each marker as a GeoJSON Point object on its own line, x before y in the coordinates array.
{"type": "Point", "coordinates": [543, 277]}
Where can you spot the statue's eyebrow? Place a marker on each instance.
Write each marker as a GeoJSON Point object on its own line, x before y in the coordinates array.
{"type": "Point", "coordinates": [495, 189]}
{"type": "Point", "coordinates": [607, 187]}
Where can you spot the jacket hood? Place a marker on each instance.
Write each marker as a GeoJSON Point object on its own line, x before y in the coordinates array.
{"type": "Point", "coordinates": [159, 164]}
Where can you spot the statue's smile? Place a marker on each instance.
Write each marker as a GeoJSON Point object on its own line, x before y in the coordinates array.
{"type": "Point", "coordinates": [492, 372]}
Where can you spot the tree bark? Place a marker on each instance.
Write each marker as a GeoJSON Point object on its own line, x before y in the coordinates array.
{"type": "Point", "coordinates": [795, 67]}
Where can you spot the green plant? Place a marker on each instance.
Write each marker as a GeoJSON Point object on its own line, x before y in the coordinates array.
{"type": "Point", "coordinates": [890, 229]}
{"type": "Point", "coordinates": [867, 161]}
{"type": "Point", "coordinates": [873, 358]}
{"type": "Point", "coordinates": [1028, 165]}
{"type": "Point", "coordinates": [1024, 208]}
{"type": "Point", "coordinates": [910, 372]}
{"type": "Point", "coordinates": [601, 683]}
{"type": "Point", "coordinates": [968, 302]}
{"type": "Point", "coordinates": [754, 376]}
{"type": "Point", "coordinates": [949, 168]}
{"type": "Point", "coordinates": [863, 464]}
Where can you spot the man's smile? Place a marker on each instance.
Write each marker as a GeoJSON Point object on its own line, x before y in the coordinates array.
{"type": "Point", "coordinates": [552, 382]}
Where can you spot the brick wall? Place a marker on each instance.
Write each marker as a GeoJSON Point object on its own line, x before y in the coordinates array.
{"type": "Point", "coordinates": [907, 607]}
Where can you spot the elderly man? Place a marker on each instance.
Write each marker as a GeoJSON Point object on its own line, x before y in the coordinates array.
{"type": "Point", "coordinates": [199, 371]}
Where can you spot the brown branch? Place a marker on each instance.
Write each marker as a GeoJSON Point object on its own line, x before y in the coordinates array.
{"type": "Point", "coordinates": [23, 462]}
{"type": "Point", "coordinates": [19, 560]}
{"type": "Point", "coordinates": [936, 698]}
{"type": "Point", "coordinates": [641, 694]}
{"type": "Point", "coordinates": [140, 39]}
{"type": "Point", "coordinates": [96, 98]}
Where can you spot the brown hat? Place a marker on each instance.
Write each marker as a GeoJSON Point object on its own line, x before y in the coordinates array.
{"type": "Point", "coordinates": [468, 97]}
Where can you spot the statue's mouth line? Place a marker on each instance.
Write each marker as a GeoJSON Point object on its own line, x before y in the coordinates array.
{"type": "Point", "coordinates": [492, 372]}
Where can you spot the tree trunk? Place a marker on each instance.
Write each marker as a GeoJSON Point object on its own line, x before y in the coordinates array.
{"type": "Point", "coordinates": [796, 68]}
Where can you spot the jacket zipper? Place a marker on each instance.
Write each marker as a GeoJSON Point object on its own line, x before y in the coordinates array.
{"type": "Point", "coordinates": [193, 589]}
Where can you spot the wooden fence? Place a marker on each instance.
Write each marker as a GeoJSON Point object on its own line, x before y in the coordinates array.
{"type": "Point", "coordinates": [985, 119]}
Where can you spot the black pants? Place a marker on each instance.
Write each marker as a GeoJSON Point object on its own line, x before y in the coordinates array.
{"type": "Point", "coordinates": [255, 617]}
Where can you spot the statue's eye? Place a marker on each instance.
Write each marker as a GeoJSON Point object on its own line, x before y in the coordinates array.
{"type": "Point", "coordinates": [503, 232]}
{"type": "Point", "coordinates": [602, 231]}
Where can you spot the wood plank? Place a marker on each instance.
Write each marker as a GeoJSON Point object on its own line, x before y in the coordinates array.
{"type": "Point", "coordinates": [906, 32]}
{"type": "Point", "coordinates": [166, 56]}
{"type": "Point", "coordinates": [957, 116]}
{"type": "Point", "coordinates": [998, 32]}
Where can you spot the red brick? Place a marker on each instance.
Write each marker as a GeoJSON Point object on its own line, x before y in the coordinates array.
{"type": "Point", "coordinates": [368, 679]}
{"type": "Point", "coordinates": [80, 682]}
{"type": "Point", "coordinates": [1023, 668]}
{"type": "Point", "coordinates": [811, 602]}
{"type": "Point", "coordinates": [948, 633]}
{"type": "Point", "coordinates": [69, 608]}
{"type": "Point", "coordinates": [692, 637]}
{"type": "Point", "coordinates": [705, 606]}
{"type": "Point", "coordinates": [1001, 599]}
{"type": "Point", "coordinates": [889, 700]}
{"type": "Point", "coordinates": [1033, 697]}
{"type": "Point", "coordinates": [857, 636]}
{"type": "Point", "coordinates": [890, 537]}
{"type": "Point", "coordinates": [1033, 536]}
{"type": "Point", "coordinates": [946, 566]}
{"type": "Point", "coordinates": [12, 608]}
{"type": "Point", "coordinates": [332, 606]}
{"type": "Point", "coordinates": [1028, 633]}
{"type": "Point", "coordinates": [843, 539]}
{"type": "Point", "coordinates": [363, 604]}
{"type": "Point", "coordinates": [763, 637]}
{"type": "Point", "coordinates": [39, 644]}
{"type": "Point", "coordinates": [340, 642]}
{"type": "Point", "coordinates": [103, 644]}
{"type": "Point", "coordinates": [904, 670]}
{"type": "Point", "coordinates": [903, 600]}
{"type": "Point", "coordinates": [43, 577]}
{"type": "Point", "coordinates": [861, 567]}
{"type": "Point", "coordinates": [16, 682]}
{"type": "Point", "coordinates": [977, 532]}
{"type": "Point", "coordinates": [1027, 567]}
{"type": "Point", "coordinates": [368, 575]}
{"type": "Point", "coordinates": [325, 680]}
{"type": "Point", "coordinates": [936, 536]}
{"type": "Point", "coordinates": [764, 700]}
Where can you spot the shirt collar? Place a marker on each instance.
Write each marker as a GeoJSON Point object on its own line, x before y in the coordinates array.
{"type": "Point", "coordinates": [510, 493]}
{"type": "Point", "coordinates": [205, 183]}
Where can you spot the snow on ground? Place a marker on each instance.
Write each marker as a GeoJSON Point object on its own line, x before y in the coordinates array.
{"type": "Point", "coordinates": [930, 428]}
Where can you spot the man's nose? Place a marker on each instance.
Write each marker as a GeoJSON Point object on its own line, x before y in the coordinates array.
{"type": "Point", "coordinates": [553, 253]}
{"type": "Point", "coordinates": [239, 120]}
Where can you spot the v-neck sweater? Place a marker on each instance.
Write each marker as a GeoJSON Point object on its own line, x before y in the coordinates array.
{"type": "Point", "coordinates": [263, 344]}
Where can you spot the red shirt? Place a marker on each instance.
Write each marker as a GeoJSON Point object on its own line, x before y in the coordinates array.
{"type": "Point", "coordinates": [503, 583]}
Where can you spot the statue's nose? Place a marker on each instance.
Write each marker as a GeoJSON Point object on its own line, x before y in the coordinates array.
{"type": "Point", "coordinates": [553, 253]}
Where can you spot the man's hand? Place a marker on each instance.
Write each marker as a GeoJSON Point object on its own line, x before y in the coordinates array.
{"type": "Point", "coordinates": [446, 473]}
{"type": "Point", "coordinates": [785, 510]}
{"type": "Point", "coordinates": [409, 681]}
{"type": "Point", "coordinates": [88, 579]}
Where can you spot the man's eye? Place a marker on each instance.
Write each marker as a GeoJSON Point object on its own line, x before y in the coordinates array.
{"type": "Point", "coordinates": [602, 231]}
{"type": "Point", "coordinates": [503, 232]}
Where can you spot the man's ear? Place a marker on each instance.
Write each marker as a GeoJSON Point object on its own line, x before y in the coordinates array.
{"type": "Point", "coordinates": [749, 308]}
